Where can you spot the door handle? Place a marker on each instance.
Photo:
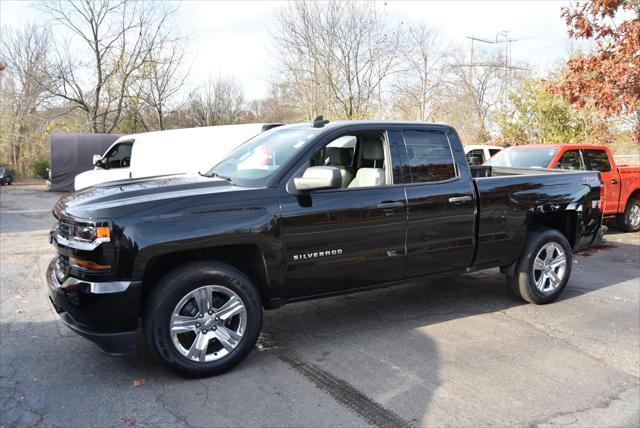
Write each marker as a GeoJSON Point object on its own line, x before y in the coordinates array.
{"type": "Point", "coordinates": [459, 199]}
{"type": "Point", "coordinates": [614, 181]}
{"type": "Point", "coordinates": [389, 205]}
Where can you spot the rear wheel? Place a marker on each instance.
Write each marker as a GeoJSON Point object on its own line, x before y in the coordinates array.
{"type": "Point", "coordinates": [629, 221]}
{"type": "Point", "coordinates": [202, 319]}
{"type": "Point", "coordinates": [543, 270]}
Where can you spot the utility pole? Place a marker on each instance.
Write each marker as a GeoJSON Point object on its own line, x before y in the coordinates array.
{"type": "Point", "coordinates": [501, 37]}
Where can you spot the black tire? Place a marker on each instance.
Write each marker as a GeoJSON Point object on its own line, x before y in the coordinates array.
{"type": "Point", "coordinates": [523, 284]}
{"type": "Point", "coordinates": [171, 289]}
{"type": "Point", "coordinates": [624, 220]}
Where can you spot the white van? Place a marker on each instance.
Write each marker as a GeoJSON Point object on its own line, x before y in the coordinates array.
{"type": "Point", "coordinates": [477, 154]}
{"type": "Point", "coordinates": [175, 151]}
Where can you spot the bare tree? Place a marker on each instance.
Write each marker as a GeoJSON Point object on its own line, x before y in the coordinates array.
{"type": "Point", "coordinates": [277, 106]}
{"type": "Point", "coordinates": [420, 79]}
{"type": "Point", "coordinates": [162, 78]}
{"type": "Point", "coordinates": [111, 40]}
{"type": "Point", "coordinates": [22, 99]}
{"type": "Point", "coordinates": [337, 54]}
{"type": "Point", "coordinates": [217, 102]}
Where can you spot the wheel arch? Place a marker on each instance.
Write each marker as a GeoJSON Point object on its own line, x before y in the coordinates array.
{"type": "Point", "coordinates": [247, 258]}
{"type": "Point", "coordinates": [566, 222]}
{"type": "Point", "coordinates": [634, 194]}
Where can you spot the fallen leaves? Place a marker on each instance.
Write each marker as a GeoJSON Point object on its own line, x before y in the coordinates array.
{"type": "Point", "coordinates": [128, 420]}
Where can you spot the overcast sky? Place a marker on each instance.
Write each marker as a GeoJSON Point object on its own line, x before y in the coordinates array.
{"type": "Point", "coordinates": [232, 38]}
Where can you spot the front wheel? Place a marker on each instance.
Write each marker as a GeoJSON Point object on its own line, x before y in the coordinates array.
{"type": "Point", "coordinates": [203, 318]}
{"type": "Point", "coordinates": [544, 267]}
{"type": "Point", "coordinates": [629, 221]}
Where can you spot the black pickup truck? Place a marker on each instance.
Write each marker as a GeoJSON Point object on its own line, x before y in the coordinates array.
{"type": "Point", "coordinates": [303, 211]}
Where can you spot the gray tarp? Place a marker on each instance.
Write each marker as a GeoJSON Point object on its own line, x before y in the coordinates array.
{"type": "Point", "coordinates": [72, 153]}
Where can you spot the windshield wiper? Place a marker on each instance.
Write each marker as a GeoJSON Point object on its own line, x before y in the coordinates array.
{"type": "Point", "coordinates": [216, 175]}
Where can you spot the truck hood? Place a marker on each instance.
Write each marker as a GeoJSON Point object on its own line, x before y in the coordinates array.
{"type": "Point", "coordinates": [90, 202]}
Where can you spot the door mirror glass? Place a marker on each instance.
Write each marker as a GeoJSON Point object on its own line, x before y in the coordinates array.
{"type": "Point", "coordinates": [318, 178]}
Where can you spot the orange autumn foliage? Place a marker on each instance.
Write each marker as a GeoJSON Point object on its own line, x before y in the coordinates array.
{"type": "Point", "coordinates": [609, 77]}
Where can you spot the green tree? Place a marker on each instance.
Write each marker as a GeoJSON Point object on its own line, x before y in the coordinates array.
{"type": "Point", "coordinates": [538, 116]}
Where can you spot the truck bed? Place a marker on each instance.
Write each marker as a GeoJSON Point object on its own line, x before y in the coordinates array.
{"type": "Point", "coordinates": [508, 197]}
{"type": "Point", "coordinates": [485, 171]}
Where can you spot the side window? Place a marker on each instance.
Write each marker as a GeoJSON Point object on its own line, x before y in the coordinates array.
{"type": "Point", "coordinates": [340, 151]}
{"type": "Point", "coordinates": [597, 160]}
{"type": "Point", "coordinates": [570, 160]}
{"type": "Point", "coordinates": [493, 151]}
{"type": "Point", "coordinates": [475, 157]}
{"type": "Point", "coordinates": [119, 156]}
{"type": "Point", "coordinates": [430, 157]}
{"type": "Point", "coordinates": [359, 156]}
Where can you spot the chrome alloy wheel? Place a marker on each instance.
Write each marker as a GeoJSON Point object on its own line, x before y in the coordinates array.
{"type": "Point", "coordinates": [208, 323]}
{"type": "Point", "coordinates": [634, 215]}
{"type": "Point", "coordinates": [549, 267]}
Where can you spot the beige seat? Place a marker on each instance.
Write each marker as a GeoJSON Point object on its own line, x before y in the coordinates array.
{"type": "Point", "coordinates": [371, 151]}
{"type": "Point", "coordinates": [341, 158]}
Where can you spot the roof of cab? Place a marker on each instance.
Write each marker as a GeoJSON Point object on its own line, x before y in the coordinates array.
{"type": "Point", "coordinates": [345, 123]}
{"type": "Point", "coordinates": [560, 146]}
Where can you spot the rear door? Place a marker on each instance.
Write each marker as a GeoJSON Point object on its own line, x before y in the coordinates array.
{"type": "Point", "coordinates": [349, 237]}
{"type": "Point", "coordinates": [441, 207]}
{"type": "Point", "coordinates": [598, 160]}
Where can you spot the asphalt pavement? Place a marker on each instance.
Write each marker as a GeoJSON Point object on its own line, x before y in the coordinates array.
{"type": "Point", "coordinates": [450, 352]}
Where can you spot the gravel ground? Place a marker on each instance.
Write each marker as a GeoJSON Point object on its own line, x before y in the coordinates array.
{"type": "Point", "coordinates": [456, 351]}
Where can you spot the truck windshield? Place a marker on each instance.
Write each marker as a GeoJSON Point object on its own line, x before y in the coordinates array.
{"type": "Point", "coordinates": [259, 158]}
{"type": "Point", "coordinates": [523, 157]}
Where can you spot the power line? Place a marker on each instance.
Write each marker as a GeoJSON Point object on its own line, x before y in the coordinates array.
{"type": "Point", "coordinates": [501, 37]}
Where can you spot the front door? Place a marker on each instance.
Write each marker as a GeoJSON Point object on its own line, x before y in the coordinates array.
{"type": "Point", "coordinates": [598, 160]}
{"type": "Point", "coordinates": [116, 164]}
{"type": "Point", "coordinates": [349, 237]}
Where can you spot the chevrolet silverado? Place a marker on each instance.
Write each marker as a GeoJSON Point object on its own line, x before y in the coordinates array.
{"type": "Point", "coordinates": [300, 212]}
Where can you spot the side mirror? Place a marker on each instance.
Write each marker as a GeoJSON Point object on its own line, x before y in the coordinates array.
{"type": "Point", "coordinates": [97, 160]}
{"type": "Point", "coordinates": [318, 178]}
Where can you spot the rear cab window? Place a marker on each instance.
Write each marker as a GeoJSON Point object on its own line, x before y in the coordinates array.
{"type": "Point", "coordinates": [428, 158]}
{"type": "Point", "coordinates": [596, 160]}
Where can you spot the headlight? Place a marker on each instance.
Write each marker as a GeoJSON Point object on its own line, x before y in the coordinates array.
{"type": "Point", "coordinates": [84, 231]}
{"type": "Point", "coordinates": [90, 232]}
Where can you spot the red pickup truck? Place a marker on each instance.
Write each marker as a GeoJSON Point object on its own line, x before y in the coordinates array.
{"type": "Point", "coordinates": [621, 182]}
